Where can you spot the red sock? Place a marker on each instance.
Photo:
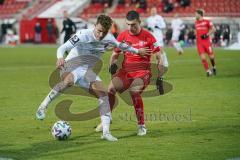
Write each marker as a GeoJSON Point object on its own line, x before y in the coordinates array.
{"type": "Point", "coordinates": [111, 98]}
{"type": "Point", "coordinates": [205, 64]}
{"type": "Point", "coordinates": [138, 106]}
{"type": "Point", "coordinates": [212, 61]}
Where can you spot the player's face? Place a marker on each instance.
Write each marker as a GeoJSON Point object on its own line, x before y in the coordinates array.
{"type": "Point", "coordinates": [100, 32]}
{"type": "Point", "coordinates": [197, 16]}
{"type": "Point", "coordinates": [133, 26]}
{"type": "Point", "coordinates": [153, 11]}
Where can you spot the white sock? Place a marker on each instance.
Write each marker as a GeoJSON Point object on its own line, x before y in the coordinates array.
{"type": "Point", "coordinates": [178, 46]}
{"type": "Point", "coordinates": [49, 98]}
{"type": "Point", "coordinates": [104, 109]}
{"type": "Point", "coordinates": [60, 87]}
{"type": "Point", "coordinates": [106, 122]}
{"type": "Point", "coordinates": [164, 58]}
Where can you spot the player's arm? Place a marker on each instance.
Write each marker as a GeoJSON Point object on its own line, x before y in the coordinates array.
{"type": "Point", "coordinates": [161, 23]}
{"type": "Point", "coordinates": [113, 62]}
{"type": "Point", "coordinates": [67, 46]}
{"type": "Point", "coordinates": [125, 47]}
{"type": "Point", "coordinates": [182, 26]}
{"type": "Point", "coordinates": [211, 31]}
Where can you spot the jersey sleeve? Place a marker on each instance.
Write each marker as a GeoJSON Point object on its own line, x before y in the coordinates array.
{"type": "Point", "coordinates": [154, 44]}
{"type": "Point", "coordinates": [75, 40]}
{"type": "Point", "coordinates": [122, 46]}
{"type": "Point", "coordinates": [120, 38]}
{"type": "Point", "coordinates": [210, 24]}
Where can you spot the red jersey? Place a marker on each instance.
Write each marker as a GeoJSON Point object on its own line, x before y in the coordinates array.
{"type": "Point", "coordinates": [133, 62]}
{"type": "Point", "coordinates": [202, 27]}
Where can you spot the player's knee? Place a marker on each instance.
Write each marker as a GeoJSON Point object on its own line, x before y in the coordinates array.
{"type": "Point", "coordinates": [69, 80]}
{"type": "Point", "coordinates": [98, 88]}
{"type": "Point", "coordinates": [111, 90]}
{"type": "Point", "coordinates": [136, 89]}
{"type": "Point", "coordinates": [203, 57]}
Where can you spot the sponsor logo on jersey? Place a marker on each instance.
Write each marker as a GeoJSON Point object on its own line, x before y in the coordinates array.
{"type": "Point", "coordinates": [74, 39]}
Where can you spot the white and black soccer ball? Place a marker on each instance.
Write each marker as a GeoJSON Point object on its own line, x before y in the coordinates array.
{"type": "Point", "coordinates": [61, 130]}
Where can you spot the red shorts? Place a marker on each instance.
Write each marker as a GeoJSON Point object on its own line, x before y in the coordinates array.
{"type": "Point", "coordinates": [204, 48]}
{"type": "Point", "coordinates": [128, 77]}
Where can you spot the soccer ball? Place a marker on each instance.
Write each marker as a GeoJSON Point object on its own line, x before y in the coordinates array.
{"type": "Point", "coordinates": [61, 130]}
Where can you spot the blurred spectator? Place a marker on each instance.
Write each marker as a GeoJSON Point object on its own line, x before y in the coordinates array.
{"type": "Point", "coordinates": [11, 38]}
{"type": "Point", "coordinates": [134, 1]}
{"type": "Point", "coordinates": [143, 4]}
{"type": "Point", "coordinates": [94, 1]}
{"type": "Point", "coordinates": [4, 27]}
{"type": "Point", "coordinates": [191, 36]}
{"type": "Point", "coordinates": [109, 2]}
{"type": "Point", "coordinates": [38, 31]}
{"type": "Point", "coordinates": [69, 27]}
{"type": "Point", "coordinates": [217, 35]}
{"type": "Point", "coordinates": [121, 2]}
{"type": "Point", "coordinates": [184, 3]}
{"type": "Point", "coordinates": [226, 35]}
{"type": "Point", "coordinates": [50, 31]}
{"type": "Point", "coordinates": [168, 7]}
{"type": "Point", "coordinates": [168, 35]}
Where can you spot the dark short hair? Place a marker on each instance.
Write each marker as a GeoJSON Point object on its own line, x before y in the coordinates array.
{"type": "Point", "coordinates": [132, 15]}
{"type": "Point", "coordinates": [105, 21]}
{"type": "Point", "coordinates": [200, 11]}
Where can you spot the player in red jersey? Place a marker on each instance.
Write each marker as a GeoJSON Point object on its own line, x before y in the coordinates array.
{"type": "Point", "coordinates": [135, 73]}
{"type": "Point", "coordinates": [204, 29]}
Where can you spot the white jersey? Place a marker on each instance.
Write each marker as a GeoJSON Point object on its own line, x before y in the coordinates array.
{"type": "Point", "coordinates": [157, 24]}
{"type": "Point", "coordinates": [85, 43]}
{"type": "Point", "coordinates": [177, 24]}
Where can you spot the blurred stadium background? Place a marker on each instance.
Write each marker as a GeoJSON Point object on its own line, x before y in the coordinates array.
{"type": "Point", "coordinates": [213, 103]}
{"type": "Point", "coordinates": [19, 17]}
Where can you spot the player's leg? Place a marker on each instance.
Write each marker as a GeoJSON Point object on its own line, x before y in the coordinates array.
{"type": "Point", "coordinates": [163, 53]}
{"type": "Point", "coordinates": [201, 52]}
{"type": "Point", "coordinates": [212, 59]}
{"type": "Point", "coordinates": [165, 60]}
{"type": "Point", "coordinates": [175, 43]}
{"type": "Point", "coordinates": [115, 85]}
{"type": "Point", "coordinates": [104, 108]}
{"type": "Point", "coordinates": [68, 81]}
{"type": "Point", "coordinates": [135, 91]}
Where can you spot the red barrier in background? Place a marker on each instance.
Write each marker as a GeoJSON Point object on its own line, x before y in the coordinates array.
{"type": "Point", "coordinates": [27, 30]}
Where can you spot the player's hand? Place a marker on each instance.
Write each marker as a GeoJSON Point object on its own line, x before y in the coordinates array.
{"type": "Point", "coordinates": [204, 36]}
{"type": "Point", "coordinates": [60, 63]}
{"type": "Point", "coordinates": [159, 84]}
{"type": "Point", "coordinates": [144, 51]}
{"type": "Point", "coordinates": [113, 68]}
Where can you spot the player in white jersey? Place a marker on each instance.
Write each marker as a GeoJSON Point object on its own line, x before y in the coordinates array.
{"type": "Point", "coordinates": [177, 25]}
{"type": "Point", "coordinates": [86, 48]}
{"type": "Point", "coordinates": [156, 24]}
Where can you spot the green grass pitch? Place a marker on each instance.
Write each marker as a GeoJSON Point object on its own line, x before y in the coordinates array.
{"type": "Point", "coordinates": [198, 119]}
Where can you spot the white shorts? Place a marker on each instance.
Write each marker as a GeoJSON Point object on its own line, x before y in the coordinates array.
{"type": "Point", "coordinates": [84, 76]}
{"type": "Point", "coordinates": [159, 37]}
{"type": "Point", "coordinates": [175, 36]}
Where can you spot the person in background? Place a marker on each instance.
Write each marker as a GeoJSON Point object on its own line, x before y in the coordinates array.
{"type": "Point", "coordinates": [69, 28]}
{"type": "Point", "coordinates": [50, 31]}
{"type": "Point", "coordinates": [38, 33]}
